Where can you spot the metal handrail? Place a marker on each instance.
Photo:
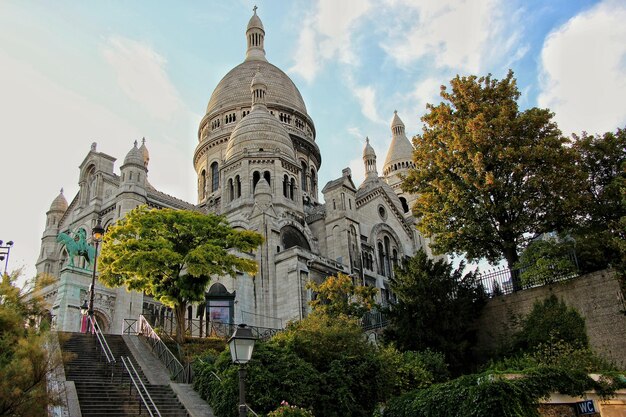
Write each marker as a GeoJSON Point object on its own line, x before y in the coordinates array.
{"type": "Point", "coordinates": [177, 371]}
{"type": "Point", "coordinates": [134, 375]}
{"type": "Point", "coordinates": [102, 341]}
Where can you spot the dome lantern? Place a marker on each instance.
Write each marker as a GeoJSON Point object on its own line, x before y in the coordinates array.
{"type": "Point", "coordinates": [255, 35]}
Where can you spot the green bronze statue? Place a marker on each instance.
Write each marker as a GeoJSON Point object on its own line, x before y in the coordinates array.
{"type": "Point", "coordinates": [77, 246]}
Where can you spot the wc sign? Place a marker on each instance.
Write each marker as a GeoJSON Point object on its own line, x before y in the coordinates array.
{"type": "Point", "coordinates": [585, 407]}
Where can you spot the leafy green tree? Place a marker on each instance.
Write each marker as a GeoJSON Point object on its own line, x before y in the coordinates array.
{"type": "Point", "coordinates": [487, 174]}
{"type": "Point", "coordinates": [436, 308]}
{"type": "Point", "coordinates": [24, 361]}
{"type": "Point", "coordinates": [339, 295]}
{"type": "Point", "coordinates": [544, 261]}
{"type": "Point", "coordinates": [171, 255]}
{"type": "Point", "coordinates": [598, 230]}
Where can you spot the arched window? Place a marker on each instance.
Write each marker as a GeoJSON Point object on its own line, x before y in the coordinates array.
{"type": "Point", "coordinates": [256, 176]}
{"type": "Point", "coordinates": [237, 187]}
{"type": "Point", "coordinates": [292, 186]}
{"type": "Point", "coordinates": [267, 177]}
{"type": "Point", "coordinates": [303, 178]}
{"type": "Point", "coordinates": [290, 236]}
{"type": "Point", "coordinates": [231, 190]}
{"type": "Point", "coordinates": [387, 260]}
{"type": "Point", "coordinates": [215, 177]}
{"type": "Point", "coordinates": [405, 205]}
{"type": "Point", "coordinates": [313, 182]}
{"type": "Point", "coordinates": [286, 186]}
{"type": "Point", "coordinates": [203, 184]}
{"type": "Point", "coordinates": [381, 258]}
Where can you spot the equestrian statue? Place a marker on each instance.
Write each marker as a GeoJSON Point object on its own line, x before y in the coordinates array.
{"type": "Point", "coordinates": [77, 246]}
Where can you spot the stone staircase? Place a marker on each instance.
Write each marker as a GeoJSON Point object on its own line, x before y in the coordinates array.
{"type": "Point", "coordinates": [105, 390]}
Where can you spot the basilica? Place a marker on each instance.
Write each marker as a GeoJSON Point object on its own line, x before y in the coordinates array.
{"type": "Point", "coordinates": [257, 163]}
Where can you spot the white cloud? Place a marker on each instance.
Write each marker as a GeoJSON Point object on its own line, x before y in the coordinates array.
{"type": "Point", "coordinates": [141, 75]}
{"type": "Point", "coordinates": [583, 66]}
{"type": "Point", "coordinates": [326, 34]}
{"type": "Point", "coordinates": [462, 35]}
{"type": "Point", "coordinates": [426, 91]}
{"type": "Point", "coordinates": [367, 100]}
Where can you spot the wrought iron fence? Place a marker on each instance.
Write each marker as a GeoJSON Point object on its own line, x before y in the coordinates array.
{"type": "Point", "coordinates": [374, 320]}
{"type": "Point", "coordinates": [503, 281]}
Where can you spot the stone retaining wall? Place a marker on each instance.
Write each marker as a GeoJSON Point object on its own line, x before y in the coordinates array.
{"type": "Point", "coordinates": [595, 296]}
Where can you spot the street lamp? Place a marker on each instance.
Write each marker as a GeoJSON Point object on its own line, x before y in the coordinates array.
{"type": "Point", "coordinates": [5, 250]}
{"type": "Point", "coordinates": [96, 234]}
{"type": "Point", "coordinates": [241, 346]}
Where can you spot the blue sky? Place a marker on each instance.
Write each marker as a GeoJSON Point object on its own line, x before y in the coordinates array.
{"type": "Point", "coordinates": [77, 72]}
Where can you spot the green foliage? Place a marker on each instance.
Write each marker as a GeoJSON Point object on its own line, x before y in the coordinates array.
{"type": "Point", "coordinates": [172, 254]}
{"type": "Point", "coordinates": [550, 320]}
{"type": "Point", "coordinates": [339, 295]}
{"type": "Point", "coordinates": [487, 174]}
{"type": "Point", "coordinates": [545, 261]}
{"type": "Point", "coordinates": [598, 232]}
{"type": "Point", "coordinates": [436, 309]}
{"type": "Point", "coordinates": [321, 363]}
{"type": "Point", "coordinates": [24, 362]}
{"type": "Point", "coordinates": [489, 394]}
{"type": "Point", "coordinates": [286, 410]}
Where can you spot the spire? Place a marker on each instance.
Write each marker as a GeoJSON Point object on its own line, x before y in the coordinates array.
{"type": "Point", "coordinates": [400, 153]}
{"type": "Point", "coordinates": [144, 152]}
{"type": "Point", "coordinates": [369, 158]}
{"type": "Point", "coordinates": [255, 35]}
{"type": "Point", "coordinates": [258, 87]}
{"type": "Point", "coordinates": [397, 126]}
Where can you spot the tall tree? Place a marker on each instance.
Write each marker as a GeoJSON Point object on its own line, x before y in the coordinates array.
{"type": "Point", "coordinates": [172, 255]}
{"type": "Point", "coordinates": [436, 308]}
{"type": "Point", "coordinates": [597, 232]}
{"type": "Point", "coordinates": [487, 174]}
{"type": "Point", "coordinates": [24, 359]}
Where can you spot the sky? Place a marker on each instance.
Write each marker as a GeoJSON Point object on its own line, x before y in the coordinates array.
{"type": "Point", "coordinates": [111, 72]}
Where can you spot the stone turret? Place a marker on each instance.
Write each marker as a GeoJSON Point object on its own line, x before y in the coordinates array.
{"type": "Point", "coordinates": [369, 159]}
{"type": "Point", "coordinates": [133, 182]}
{"type": "Point", "coordinates": [47, 261]}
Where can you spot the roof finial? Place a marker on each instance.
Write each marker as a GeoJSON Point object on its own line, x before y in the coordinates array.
{"type": "Point", "coordinates": [395, 112]}
{"type": "Point", "coordinates": [61, 190]}
{"type": "Point", "coordinates": [254, 9]}
{"type": "Point", "coordinates": [143, 140]}
{"type": "Point", "coordinates": [135, 143]}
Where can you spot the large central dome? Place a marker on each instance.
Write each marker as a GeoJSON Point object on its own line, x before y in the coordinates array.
{"type": "Point", "coordinates": [234, 89]}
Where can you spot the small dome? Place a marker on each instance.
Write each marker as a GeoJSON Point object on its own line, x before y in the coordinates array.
{"type": "Point", "coordinates": [134, 156]}
{"type": "Point", "coordinates": [259, 131]}
{"type": "Point", "coordinates": [368, 152]}
{"type": "Point", "coordinates": [400, 149]}
{"type": "Point", "coordinates": [262, 187]}
{"type": "Point", "coordinates": [396, 121]}
{"type": "Point", "coordinates": [59, 203]}
{"type": "Point", "coordinates": [144, 152]}
{"type": "Point", "coordinates": [255, 22]}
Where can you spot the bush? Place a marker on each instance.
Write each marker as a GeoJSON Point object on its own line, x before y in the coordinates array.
{"type": "Point", "coordinates": [488, 394]}
{"type": "Point", "coordinates": [551, 320]}
{"type": "Point", "coordinates": [321, 363]}
{"type": "Point", "coordinates": [286, 410]}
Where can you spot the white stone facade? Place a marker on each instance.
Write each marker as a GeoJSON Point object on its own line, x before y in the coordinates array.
{"type": "Point", "coordinates": [257, 163]}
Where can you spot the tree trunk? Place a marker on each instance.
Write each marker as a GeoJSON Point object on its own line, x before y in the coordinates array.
{"type": "Point", "coordinates": [180, 322]}
{"type": "Point", "coordinates": [511, 256]}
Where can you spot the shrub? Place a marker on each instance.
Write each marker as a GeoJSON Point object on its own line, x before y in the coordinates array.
{"type": "Point", "coordinates": [286, 410]}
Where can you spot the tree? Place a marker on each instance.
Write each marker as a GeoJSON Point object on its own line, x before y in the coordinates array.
{"type": "Point", "coordinates": [545, 261]}
{"type": "Point", "coordinates": [24, 361]}
{"type": "Point", "coordinates": [436, 309]}
{"type": "Point", "coordinates": [171, 255]}
{"type": "Point", "coordinates": [597, 232]}
{"type": "Point", "coordinates": [339, 295]}
{"type": "Point", "coordinates": [487, 174]}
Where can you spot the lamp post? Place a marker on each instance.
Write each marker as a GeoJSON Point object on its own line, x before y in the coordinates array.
{"type": "Point", "coordinates": [96, 234]}
{"type": "Point", "coordinates": [241, 345]}
{"type": "Point", "coordinates": [5, 250]}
